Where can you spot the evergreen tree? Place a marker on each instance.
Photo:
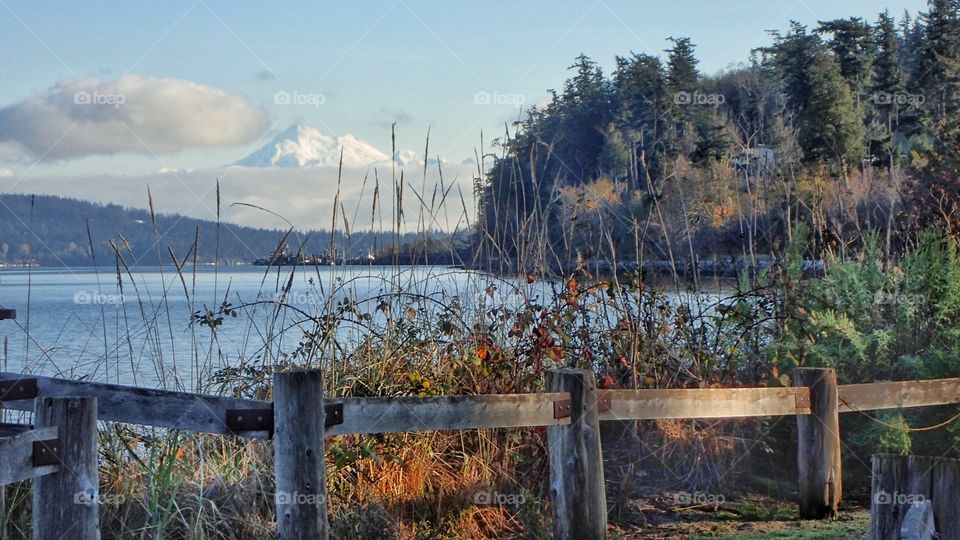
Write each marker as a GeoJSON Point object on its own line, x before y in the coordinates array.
{"type": "Point", "coordinates": [792, 55]}
{"type": "Point", "coordinates": [682, 74]}
{"type": "Point", "coordinates": [937, 190]}
{"type": "Point", "coordinates": [640, 84]}
{"type": "Point", "coordinates": [911, 41]}
{"type": "Point", "coordinates": [683, 79]}
{"type": "Point", "coordinates": [585, 112]}
{"type": "Point", "coordinates": [887, 90]}
{"type": "Point", "coordinates": [853, 46]}
{"type": "Point", "coordinates": [712, 141]}
{"type": "Point", "coordinates": [888, 67]}
{"type": "Point", "coordinates": [641, 87]}
{"type": "Point", "coordinates": [614, 159]}
{"type": "Point", "coordinates": [938, 60]}
{"type": "Point", "coordinates": [683, 84]}
{"type": "Point", "coordinates": [830, 126]}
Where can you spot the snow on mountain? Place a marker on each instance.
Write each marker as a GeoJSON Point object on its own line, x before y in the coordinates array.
{"type": "Point", "coordinates": [306, 146]}
{"type": "Point", "coordinates": [302, 146]}
{"type": "Point", "coordinates": [405, 158]}
{"type": "Point", "coordinates": [412, 158]}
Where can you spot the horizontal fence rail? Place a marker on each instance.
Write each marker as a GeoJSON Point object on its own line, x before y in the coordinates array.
{"type": "Point", "coordinates": [345, 416]}
{"type": "Point", "coordinates": [897, 395]}
{"type": "Point", "coordinates": [135, 405]}
{"type": "Point", "coordinates": [23, 456]}
{"type": "Point", "coordinates": [704, 403]}
{"type": "Point", "coordinates": [408, 414]}
{"type": "Point", "coordinates": [224, 415]}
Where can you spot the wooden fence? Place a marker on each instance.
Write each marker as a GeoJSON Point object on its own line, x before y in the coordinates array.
{"type": "Point", "coordinates": [59, 451]}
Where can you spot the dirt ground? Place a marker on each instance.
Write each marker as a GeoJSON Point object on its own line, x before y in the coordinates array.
{"type": "Point", "coordinates": [748, 518]}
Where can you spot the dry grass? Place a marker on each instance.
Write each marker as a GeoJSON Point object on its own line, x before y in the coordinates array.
{"type": "Point", "coordinates": [494, 335]}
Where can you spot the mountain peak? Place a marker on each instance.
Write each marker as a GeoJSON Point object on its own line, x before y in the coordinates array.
{"type": "Point", "coordinates": [302, 145]}
{"type": "Point", "coordinates": [412, 158]}
{"type": "Point", "coordinates": [296, 129]}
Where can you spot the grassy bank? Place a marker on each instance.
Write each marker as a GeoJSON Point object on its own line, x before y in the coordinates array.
{"type": "Point", "coordinates": [420, 332]}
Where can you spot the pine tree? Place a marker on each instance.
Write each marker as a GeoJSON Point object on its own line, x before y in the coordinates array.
{"type": "Point", "coordinates": [641, 89]}
{"type": "Point", "coordinates": [682, 74]}
{"type": "Point", "coordinates": [683, 79]}
{"type": "Point", "coordinates": [938, 60]}
{"type": "Point", "coordinates": [683, 84]}
{"type": "Point", "coordinates": [888, 77]}
{"type": "Point", "coordinates": [830, 126]}
{"type": "Point", "coordinates": [937, 191]}
{"type": "Point", "coordinates": [614, 158]}
{"type": "Point", "coordinates": [852, 44]}
{"type": "Point", "coordinates": [791, 55]}
{"type": "Point", "coordinates": [911, 41]}
{"type": "Point", "coordinates": [585, 113]}
{"type": "Point", "coordinates": [640, 84]}
{"type": "Point", "coordinates": [888, 66]}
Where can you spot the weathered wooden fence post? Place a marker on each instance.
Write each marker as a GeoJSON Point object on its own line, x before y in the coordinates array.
{"type": "Point", "coordinates": [576, 464]}
{"type": "Point", "coordinates": [66, 503]}
{"type": "Point", "coordinates": [298, 449]}
{"type": "Point", "coordinates": [945, 495]}
{"type": "Point", "coordinates": [898, 483]}
{"type": "Point", "coordinates": [818, 440]}
{"type": "Point", "coordinates": [918, 523]}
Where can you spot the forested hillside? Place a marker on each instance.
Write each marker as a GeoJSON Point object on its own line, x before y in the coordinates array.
{"type": "Point", "coordinates": [53, 231]}
{"type": "Point", "coordinates": [845, 127]}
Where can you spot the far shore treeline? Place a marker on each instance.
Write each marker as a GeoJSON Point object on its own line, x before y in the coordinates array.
{"type": "Point", "coordinates": [840, 128]}
{"type": "Point", "coordinates": [60, 237]}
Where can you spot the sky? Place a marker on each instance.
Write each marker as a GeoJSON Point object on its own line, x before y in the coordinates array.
{"type": "Point", "coordinates": [207, 82]}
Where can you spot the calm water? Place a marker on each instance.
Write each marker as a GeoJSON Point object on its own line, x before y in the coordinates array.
{"type": "Point", "coordinates": [138, 329]}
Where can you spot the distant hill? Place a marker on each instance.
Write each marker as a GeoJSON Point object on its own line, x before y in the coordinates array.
{"type": "Point", "coordinates": [59, 235]}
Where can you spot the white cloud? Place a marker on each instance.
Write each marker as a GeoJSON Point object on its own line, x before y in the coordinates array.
{"type": "Point", "coordinates": [82, 117]}
{"type": "Point", "coordinates": [6, 173]}
{"type": "Point", "coordinates": [10, 151]}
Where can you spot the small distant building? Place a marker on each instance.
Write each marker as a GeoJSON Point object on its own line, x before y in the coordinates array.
{"type": "Point", "coordinates": [756, 160]}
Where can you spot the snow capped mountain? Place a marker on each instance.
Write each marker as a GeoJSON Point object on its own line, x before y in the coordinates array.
{"type": "Point", "coordinates": [405, 158]}
{"type": "Point", "coordinates": [303, 146]}
{"type": "Point", "coordinates": [306, 146]}
{"type": "Point", "coordinates": [412, 158]}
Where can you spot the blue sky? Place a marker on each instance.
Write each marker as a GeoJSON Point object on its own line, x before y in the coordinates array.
{"type": "Point", "coordinates": [418, 62]}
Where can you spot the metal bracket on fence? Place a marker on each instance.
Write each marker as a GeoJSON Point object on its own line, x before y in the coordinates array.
{"type": "Point", "coordinates": [46, 452]}
{"type": "Point", "coordinates": [803, 399]}
{"type": "Point", "coordinates": [17, 389]}
{"type": "Point", "coordinates": [239, 420]}
{"type": "Point", "coordinates": [604, 402]}
{"type": "Point", "coordinates": [332, 414]}
{"type": "Point", "coordinates": [250, 420]}
{"type": "Point", "coordinates": [562, 409]}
